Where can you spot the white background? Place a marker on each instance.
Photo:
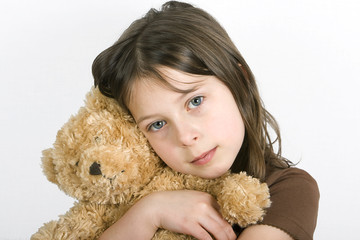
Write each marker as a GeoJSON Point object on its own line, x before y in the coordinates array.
{"type": "Point", "coordinates": [304, 54]}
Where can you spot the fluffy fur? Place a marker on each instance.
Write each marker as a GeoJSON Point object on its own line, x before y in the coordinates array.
{"type": "Point", "coordinates": [102, 159]}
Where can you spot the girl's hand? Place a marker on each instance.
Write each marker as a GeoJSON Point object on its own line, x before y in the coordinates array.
{"type": "Point", "coordinates": [190, 212]}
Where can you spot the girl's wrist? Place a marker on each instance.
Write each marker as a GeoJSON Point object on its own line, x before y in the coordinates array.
{"type": "Point", "coordinates": [149, 206]}
{"type": "Point", "coordinates": [139, 216]}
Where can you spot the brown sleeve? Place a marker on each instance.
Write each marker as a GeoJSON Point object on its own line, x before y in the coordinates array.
{"type": "Point", "coordinates": [295, 198]}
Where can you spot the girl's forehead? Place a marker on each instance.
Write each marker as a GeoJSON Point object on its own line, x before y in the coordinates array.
{"type": "Point", "coordinates": [171, 79]}
{"type": "Point", "coordinates": [171, 74]}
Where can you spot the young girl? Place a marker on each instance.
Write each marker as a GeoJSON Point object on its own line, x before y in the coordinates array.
{"type": "Point", "coordinates": [195, 99]}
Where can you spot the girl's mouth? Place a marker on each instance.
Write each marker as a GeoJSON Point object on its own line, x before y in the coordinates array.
{"type": "Point", "coordinates": [205, 157]}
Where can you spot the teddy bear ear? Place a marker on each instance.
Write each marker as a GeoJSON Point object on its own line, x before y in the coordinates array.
{"type": "Point", "coordinates": [48, 165]}
{"type": "Point", "coordinates": [95, 100]}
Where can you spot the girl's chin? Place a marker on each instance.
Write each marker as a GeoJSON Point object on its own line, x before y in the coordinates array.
{"type": "Point", "coordinates": [211, 174]}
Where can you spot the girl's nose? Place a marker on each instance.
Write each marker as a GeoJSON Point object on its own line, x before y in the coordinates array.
{"type": "Point", "coordinates": [188, 140]}
{"type": "Point", "coordinates": [187, 134]}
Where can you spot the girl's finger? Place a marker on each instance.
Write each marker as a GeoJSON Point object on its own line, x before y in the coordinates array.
{"type": "Point", "coordinates": [199, 233]}
{"type": "Point", "coordinates": [217, 226]}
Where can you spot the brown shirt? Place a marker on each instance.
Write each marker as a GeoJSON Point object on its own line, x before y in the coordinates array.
{"type": "Point", "coordinates": [295, 197]}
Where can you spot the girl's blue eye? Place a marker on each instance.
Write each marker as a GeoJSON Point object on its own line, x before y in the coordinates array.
{"type": "Point", "coordinates": [195, 102]}
{"type": "Point", "coordinates": [156, 125]}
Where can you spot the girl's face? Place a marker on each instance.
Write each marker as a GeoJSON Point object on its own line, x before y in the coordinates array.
{"type": "Point", "coordinates": [199, 132]}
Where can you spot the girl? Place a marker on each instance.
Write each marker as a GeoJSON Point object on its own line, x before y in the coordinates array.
{"type": "Point", "coordinates": [195, 99]}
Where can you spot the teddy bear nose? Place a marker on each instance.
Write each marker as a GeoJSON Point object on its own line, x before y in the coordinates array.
{"type": "Point", "coordinates": [95, 169]}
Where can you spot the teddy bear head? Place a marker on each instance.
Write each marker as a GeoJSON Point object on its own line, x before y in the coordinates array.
{"type": "Point", "coordinates": [100, 155]}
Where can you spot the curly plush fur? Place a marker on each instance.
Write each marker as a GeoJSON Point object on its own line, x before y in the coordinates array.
{"type": "Point", "coordinates": [102, 159]}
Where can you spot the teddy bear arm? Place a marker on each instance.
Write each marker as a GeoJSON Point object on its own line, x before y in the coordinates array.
{"type": "Point", "coordinates": [47, 231]}
{"type": "Point", "coordinates": [242, 199]}
{"type": "Point", "coordinates": [82, 221]}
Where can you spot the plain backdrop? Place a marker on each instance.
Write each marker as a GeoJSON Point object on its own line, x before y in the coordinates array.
{"type": "Point", "coordinates": [304, 54]}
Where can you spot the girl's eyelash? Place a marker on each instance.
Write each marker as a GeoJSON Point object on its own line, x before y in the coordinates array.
{"type": "Point", "coordinates": [195, 102]}
{"type": "Point", "coordinates": [156, 126]}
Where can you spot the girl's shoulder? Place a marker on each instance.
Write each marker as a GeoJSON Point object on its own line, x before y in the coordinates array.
{"type": "Point", "coordinates": [291, 174]}
{"type": "Point", "coordinates": [295, 197]}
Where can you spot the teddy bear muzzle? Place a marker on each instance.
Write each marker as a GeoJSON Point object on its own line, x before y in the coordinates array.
{"type": "Point", "coordinates": [95, 169]}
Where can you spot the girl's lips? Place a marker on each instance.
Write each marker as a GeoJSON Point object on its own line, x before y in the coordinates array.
{"type": "Point", "coordinates": [205, 157]}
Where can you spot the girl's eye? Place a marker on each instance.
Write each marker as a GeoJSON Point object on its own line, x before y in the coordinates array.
{"type": "Point", "coordinates": [156, 125]}
{"type": "Point", "coordinates": [195, 102]}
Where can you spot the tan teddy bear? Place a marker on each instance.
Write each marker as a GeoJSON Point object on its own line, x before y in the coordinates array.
{"type": "Point", "coordinates": [102, 159]}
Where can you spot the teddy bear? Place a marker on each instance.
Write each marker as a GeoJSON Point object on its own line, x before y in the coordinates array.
{"type": "Point", "coordinates": [103, 160]}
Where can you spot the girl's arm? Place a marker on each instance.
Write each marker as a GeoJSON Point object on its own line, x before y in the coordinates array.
{"type": "Point", "coordinates": [184, 211]}
{"type": "Point", "coordinates": [264, 232]}
{"type": "Point", "coordinates": [136, 223]}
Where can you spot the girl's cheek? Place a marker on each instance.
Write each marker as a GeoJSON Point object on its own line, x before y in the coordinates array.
{"type": "Point", "coordinates": [157, 140]}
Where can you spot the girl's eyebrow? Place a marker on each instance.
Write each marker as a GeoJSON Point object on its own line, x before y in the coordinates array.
{"type": "Point", "coordinates": [141, 119]}
{"type": "Point", "coordinates": [185, 92]}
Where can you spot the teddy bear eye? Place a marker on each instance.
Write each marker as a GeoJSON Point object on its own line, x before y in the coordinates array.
{"type": "Point", "coordinates": [77, 163]}
{"type": "Point", "coordinates": [97, 139]}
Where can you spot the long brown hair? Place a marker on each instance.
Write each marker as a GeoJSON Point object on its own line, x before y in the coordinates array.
{"type": "Point", "coordinates": [186, 38]}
